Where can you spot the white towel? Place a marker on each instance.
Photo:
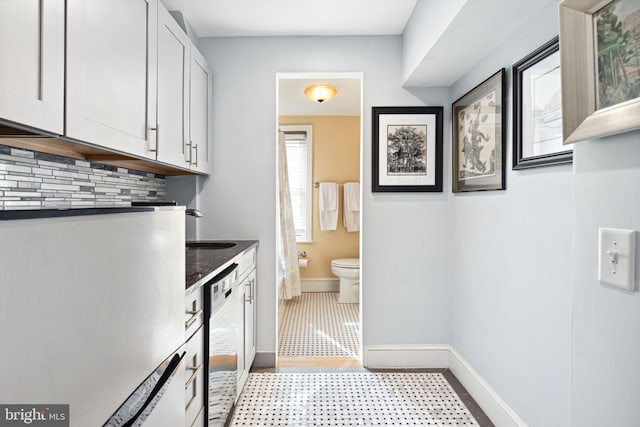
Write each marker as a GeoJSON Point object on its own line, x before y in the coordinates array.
{"type": "Point", "coordinates": [351, 211]}
{"type": "Point", "coordinates": [328, 204]}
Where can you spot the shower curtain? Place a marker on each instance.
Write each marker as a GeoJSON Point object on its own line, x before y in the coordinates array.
{"type": "Point", "coordinates": [288, 250]}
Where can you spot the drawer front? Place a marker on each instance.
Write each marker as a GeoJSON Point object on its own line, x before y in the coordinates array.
{"type": "Point", "coordinates": [193, 312]}
{"type": "Point", "coordinates": [194, 376]}
{"type": "Point", "coordinates": [246, 261]}
{"type": "Point", "coordinates": [199, 421]}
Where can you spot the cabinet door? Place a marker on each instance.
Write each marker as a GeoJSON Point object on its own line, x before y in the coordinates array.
{"type": "Point", "coordinates": [111, 95]}
{"type": "Point", "coordinates": [173, 89]}
{"type": "Point", "coordinates": [201, 104]}
{"type": "Point", "coordinates": [32, 70]}
{"type": "Point", "coordinates": [249, 320]}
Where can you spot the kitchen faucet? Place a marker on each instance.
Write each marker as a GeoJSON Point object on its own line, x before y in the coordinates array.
{"type": "Point", "coordinates": [194, 212]}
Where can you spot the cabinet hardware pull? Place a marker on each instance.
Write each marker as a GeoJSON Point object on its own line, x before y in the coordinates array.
{"type": "Point", "coordinates": [193, 318]}
{"type": "Point", "coordinates": [250, 298]}
{"type": "Point", "coordinates": [157, 131]}
{"type": "Point", "coordinates": [190, 145]}
{"type": "Point", "coordinates": [196, 370]}
{"type": "Point", "coordinates": [194, 147]}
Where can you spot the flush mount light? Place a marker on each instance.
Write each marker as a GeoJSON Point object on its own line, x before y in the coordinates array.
{"type": "Point", "coordinates": [320, 93]}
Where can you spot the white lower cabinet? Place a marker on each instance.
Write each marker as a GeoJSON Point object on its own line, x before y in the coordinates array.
{"type": "Point", "coordinates": [247, 338]}
{"type": "Point", "coordinates": [194, 376]}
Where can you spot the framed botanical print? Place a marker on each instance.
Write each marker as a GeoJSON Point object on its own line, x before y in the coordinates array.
{"type": "Point", "coordinates": [407, 149]}
{"type": "Point", "coordinates": [600, 66]}
{"type": "Point", "coordinates": [479, 137]}
{"type": "Point", "coordinates": [537, 110]}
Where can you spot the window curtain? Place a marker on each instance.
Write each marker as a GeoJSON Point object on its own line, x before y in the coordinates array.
{"type": "Point", "coordinates": [288, 249]}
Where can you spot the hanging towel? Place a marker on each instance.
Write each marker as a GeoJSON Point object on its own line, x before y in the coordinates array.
{"type": "Point", "coordinates": [351, 212]}
{"type": "Point", "coordinates": [328, 204]}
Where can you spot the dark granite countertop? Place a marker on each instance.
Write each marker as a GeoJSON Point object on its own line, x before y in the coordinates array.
{"type": "Point", "coordinates": [203, 264]}
{"type": "Point", "coordinates": [57, 213]}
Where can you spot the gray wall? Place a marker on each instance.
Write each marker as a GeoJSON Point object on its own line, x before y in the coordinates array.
{"type": "Point", "coordinates": [512, 254]}
{"type": "Point", "coordinates": [405, 262]}
{"type": "Point", "coordinates": [606, 342]}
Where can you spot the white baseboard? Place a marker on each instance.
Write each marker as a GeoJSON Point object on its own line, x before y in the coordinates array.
{"type": "Point", "coordinates": [406, 356]}
{"type": "Point", "coordinates": [330, 284]}
{"type": "Point", "coordinates": [491, 403]}
{"type": "Point", "coordinates": [445, 356]}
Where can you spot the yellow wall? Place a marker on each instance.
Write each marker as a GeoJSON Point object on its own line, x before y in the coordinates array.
{"type": "Point", "coordinates": [336, 158]}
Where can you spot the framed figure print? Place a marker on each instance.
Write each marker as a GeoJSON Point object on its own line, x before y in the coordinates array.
{"type": "Point", "coordinates": [599, 57]}
{"type": "Point", "coordinates": [537, 110]}
{"type": "Point", "coordinates": [407, 149]}
{"type": "Point", "coordinates": [479, 137]}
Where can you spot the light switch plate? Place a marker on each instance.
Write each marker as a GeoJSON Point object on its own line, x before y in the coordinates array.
{"type": "Point", "coordinates": [617, 258]}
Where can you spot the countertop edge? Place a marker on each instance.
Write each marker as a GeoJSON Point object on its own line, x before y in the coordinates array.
{"type": "Point", "coordinates": [250, 244]}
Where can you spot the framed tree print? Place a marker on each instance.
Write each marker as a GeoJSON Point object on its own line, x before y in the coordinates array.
{"type": "Point", "coordinates": [407, 149]}
{"type": "Point", "coordinates": [479, 137]}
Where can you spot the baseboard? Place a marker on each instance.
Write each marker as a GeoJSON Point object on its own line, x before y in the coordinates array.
{"type": "Point", "coordinates": [444, 356]}
{"type": "Point", "coordinates": [320, 285]}
{"type": "Point", "coordinates": [491, 403]}
{"type": "Point", "coordinates": [265, 359]}
{"type": "Point", "coordinates": [406, 356]}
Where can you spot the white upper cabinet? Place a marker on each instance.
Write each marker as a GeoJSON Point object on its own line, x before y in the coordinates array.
{"type": "Point", "coordinates": [201, 104]}
{"type": "Point", "coordinates": [111, 48]}
{"type": "Point", "coordinates": [174, 49]}
{"type": "Point", "coordinates": [32, 70]}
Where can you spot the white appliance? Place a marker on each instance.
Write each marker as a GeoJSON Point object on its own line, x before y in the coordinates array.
{"type": "Point", "coordinates": [92, 305]}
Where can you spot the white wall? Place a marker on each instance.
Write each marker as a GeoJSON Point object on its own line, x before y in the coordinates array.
{"type": "Point", "coordinates": [606, 341]}
{"type": "Point", "coordinates": [428, 22]}
{"type": "Point", "coordinates": [512, 262]}
{"type": "Point", "coordinates": [405, 265]}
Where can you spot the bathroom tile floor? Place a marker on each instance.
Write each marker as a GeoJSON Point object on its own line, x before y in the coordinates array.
{"type": "Point", "coordinates": [355, 397]}
{"type": "Point", "coordinates": [316, 325]}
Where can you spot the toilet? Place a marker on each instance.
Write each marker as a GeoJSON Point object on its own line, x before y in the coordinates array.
{"type": "Point", "coordinates": [348, 270]}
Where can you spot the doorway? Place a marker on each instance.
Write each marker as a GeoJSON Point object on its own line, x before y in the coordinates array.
{"type": "Point", "coordinates": [321, 325]}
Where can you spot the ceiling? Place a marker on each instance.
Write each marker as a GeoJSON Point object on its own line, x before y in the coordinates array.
{"type": "Point", "coordinates": [233, 18]}
{"type": "Point", "coordinates": [292, 102]}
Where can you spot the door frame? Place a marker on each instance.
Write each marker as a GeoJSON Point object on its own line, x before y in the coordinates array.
{"type": "Point", "coordinates": [325, 76]}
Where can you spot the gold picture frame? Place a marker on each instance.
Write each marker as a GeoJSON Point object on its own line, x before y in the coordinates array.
{"type": "Point", "coordinates": [581, 117]}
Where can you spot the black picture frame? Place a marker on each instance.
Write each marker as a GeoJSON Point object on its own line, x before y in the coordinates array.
{"type": "Point", "coordinates": [479, 137]}
{"type": "Point", "coordinates": [414, 169]}
{"type": "Point", "coordinates": [530, 123]}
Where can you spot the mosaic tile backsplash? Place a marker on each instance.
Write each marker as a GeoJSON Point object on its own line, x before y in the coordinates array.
{"type": "Point", "coordinates": [32, 180]}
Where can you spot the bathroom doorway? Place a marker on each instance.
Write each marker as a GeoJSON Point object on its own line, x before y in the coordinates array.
{"type": "Point", "coordinates": [320, 141]}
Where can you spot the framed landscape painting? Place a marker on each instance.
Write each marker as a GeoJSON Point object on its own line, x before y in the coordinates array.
{"type": "Point", "coordinates": [479, 137]}
{"type": "Point", "coordinates": [600, 57]}
{"type": "Point", "coordinates": [407, 149]}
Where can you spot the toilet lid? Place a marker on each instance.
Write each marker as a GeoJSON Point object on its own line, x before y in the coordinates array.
{"type": "Point", "coordinates": [346, 262]}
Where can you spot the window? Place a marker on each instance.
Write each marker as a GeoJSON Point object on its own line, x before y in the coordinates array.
{"type": "Point", "coordinates": [299, 153]}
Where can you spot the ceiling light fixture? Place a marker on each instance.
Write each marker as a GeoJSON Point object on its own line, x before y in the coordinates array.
{"type": "Point", "coordinates": [320, 93]}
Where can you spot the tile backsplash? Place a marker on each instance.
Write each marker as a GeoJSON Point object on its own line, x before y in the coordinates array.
{"type": "Point", "coordinates": [33, 180]}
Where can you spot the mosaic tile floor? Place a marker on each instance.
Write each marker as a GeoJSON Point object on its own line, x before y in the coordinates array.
{"type": "Point", "coordinates": [316, 325]}
{"type": "Point", "coordinates": [350, 399]}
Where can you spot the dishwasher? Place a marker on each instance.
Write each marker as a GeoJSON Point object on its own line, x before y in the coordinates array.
{"type": "Point", "coordinates": [221, 319]}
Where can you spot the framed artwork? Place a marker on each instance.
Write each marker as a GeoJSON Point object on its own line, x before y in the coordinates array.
{"type": "Point", "coordinates": [600, 65]}
{"type": "Point", "coordinates": [537, 110]}
{"type": "Point", "coordinates": [478, 151]}
{"type": "Point", "coordinates": [407, 149]}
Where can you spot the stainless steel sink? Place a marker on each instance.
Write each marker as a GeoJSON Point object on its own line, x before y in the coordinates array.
{"type": "Point", "coordinates": [204, 244]}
